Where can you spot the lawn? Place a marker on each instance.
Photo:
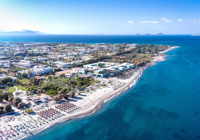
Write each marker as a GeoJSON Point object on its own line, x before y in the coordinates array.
{"type": "Point", "coordinates": [25, 81]}
{"type": "Point", "coordinates": [12, 89]}
{"type": "Point", "coordinates": [21, 88]}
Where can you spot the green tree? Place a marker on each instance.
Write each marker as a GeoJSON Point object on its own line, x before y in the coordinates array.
{"type": "Point", "coordinates": [21, 105]}
{"type": "Point", "coordinates": [7, 108]}
{"type": "Point", "coordinates": [86, 81]}
{"type": "Point", "coordinates": [10, 99]}
{"type": "Point", "coordinates": [62, 75]}
{"type": "Point", "coordinates": [7, 95]}
{"type": "Point", "coordinates": [65, 96]}
{"type": "Point", "coordinates": [50, 77]}
{"type": "Point", "coordinates": [24, 75]}
{"type": "Point", "coordinates": [16, 101]}
{"type": "Point", "coordinates": [1, 97]}
{"type": "Point", "coordinates": [79, 83]}
{"type": "Point", "coordinates": [9, 84]}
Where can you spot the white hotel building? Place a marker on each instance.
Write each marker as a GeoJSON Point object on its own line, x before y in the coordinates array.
{"type": "Point", "coordinates": [42, 69]}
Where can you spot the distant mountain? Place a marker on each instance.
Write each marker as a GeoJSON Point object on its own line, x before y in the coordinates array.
{"type": "Point", "coordinates": [159, 34]}
{"type": "Point", "coordinates": [22, 32]}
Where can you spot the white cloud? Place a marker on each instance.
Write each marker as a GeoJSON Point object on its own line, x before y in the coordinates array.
{"type": "Point", "coordinates": [194, 20]}
{"type": "Point", "coordinates": [180, 20]}
{"type": "Point", "coordinates": [154, 21]}
{"type": "Point", "coordinates": [143, 21]}
{"type": "Point", "coordinates": [166, 20]}
{"type": "Point", "coordinates": [131, 22]}
{"type": "Point", "coordinates": [149, 21]}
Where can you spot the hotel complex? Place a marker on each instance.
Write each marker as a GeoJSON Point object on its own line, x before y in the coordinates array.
{"type": "Point", "coordinates": [106, 69]}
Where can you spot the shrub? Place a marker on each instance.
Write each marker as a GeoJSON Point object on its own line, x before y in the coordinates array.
{"type": "Point", "coordinates": [56, 99]}
{"type": "Point", "coordinates": [103, 85]}
{"type": "Point", "coordinates": [52, 92]}
{"type": "Point", "coordinates": [79, 92]}
{"type": "Point", "coordinates": [91, 89]}
{"type": "Point", "coordinates": [59, 88]}
{"type": "Point", "coordinates": [71, 94]}
{"type": "Point", "coordinates": [97, 81]}
{"type": "Point", "coordinates": [28, 110]}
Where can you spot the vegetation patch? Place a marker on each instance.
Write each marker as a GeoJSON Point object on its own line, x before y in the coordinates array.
{"type": "Point", "coordinates": [25, 81]}
{"type": "Point", "coordinates": [21, 88]}
{"type": "Point", "coordinates": [11, 89]}
{"type": "Point", "coordinates": [28, 110]}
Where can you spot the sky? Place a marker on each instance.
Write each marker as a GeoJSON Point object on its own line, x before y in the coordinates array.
{"type": "Point", "coordinates": [121, 17]}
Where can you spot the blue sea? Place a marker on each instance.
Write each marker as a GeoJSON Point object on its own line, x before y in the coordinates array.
{"type": "Point", "coordinates": [163, 105]}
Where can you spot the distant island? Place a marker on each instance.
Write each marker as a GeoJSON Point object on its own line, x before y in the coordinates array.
{"type": "Point", "coordinates": [22, 32]}
{"type": "Point", "coordinates": [31, 32]}
{"type": "Point", "coordinates": [195, 35]}
{"type": "Point", "coordinates": [147, 34]}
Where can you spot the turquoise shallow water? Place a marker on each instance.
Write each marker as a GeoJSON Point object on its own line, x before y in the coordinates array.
{"type": "Point", "coordinates": [165, 106]}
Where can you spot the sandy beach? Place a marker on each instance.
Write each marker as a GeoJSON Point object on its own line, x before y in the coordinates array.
{"type": "Point", "coordinates": [88, 103]}
{"type": "Point", "coordinates": [171, 48]}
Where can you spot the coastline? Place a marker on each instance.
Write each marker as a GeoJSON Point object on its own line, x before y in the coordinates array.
{"type": "Point", "coordinates": [96, 104]}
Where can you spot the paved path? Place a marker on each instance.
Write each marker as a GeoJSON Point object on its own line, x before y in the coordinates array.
{"type": "Point", "coordinates": [15, 91]}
